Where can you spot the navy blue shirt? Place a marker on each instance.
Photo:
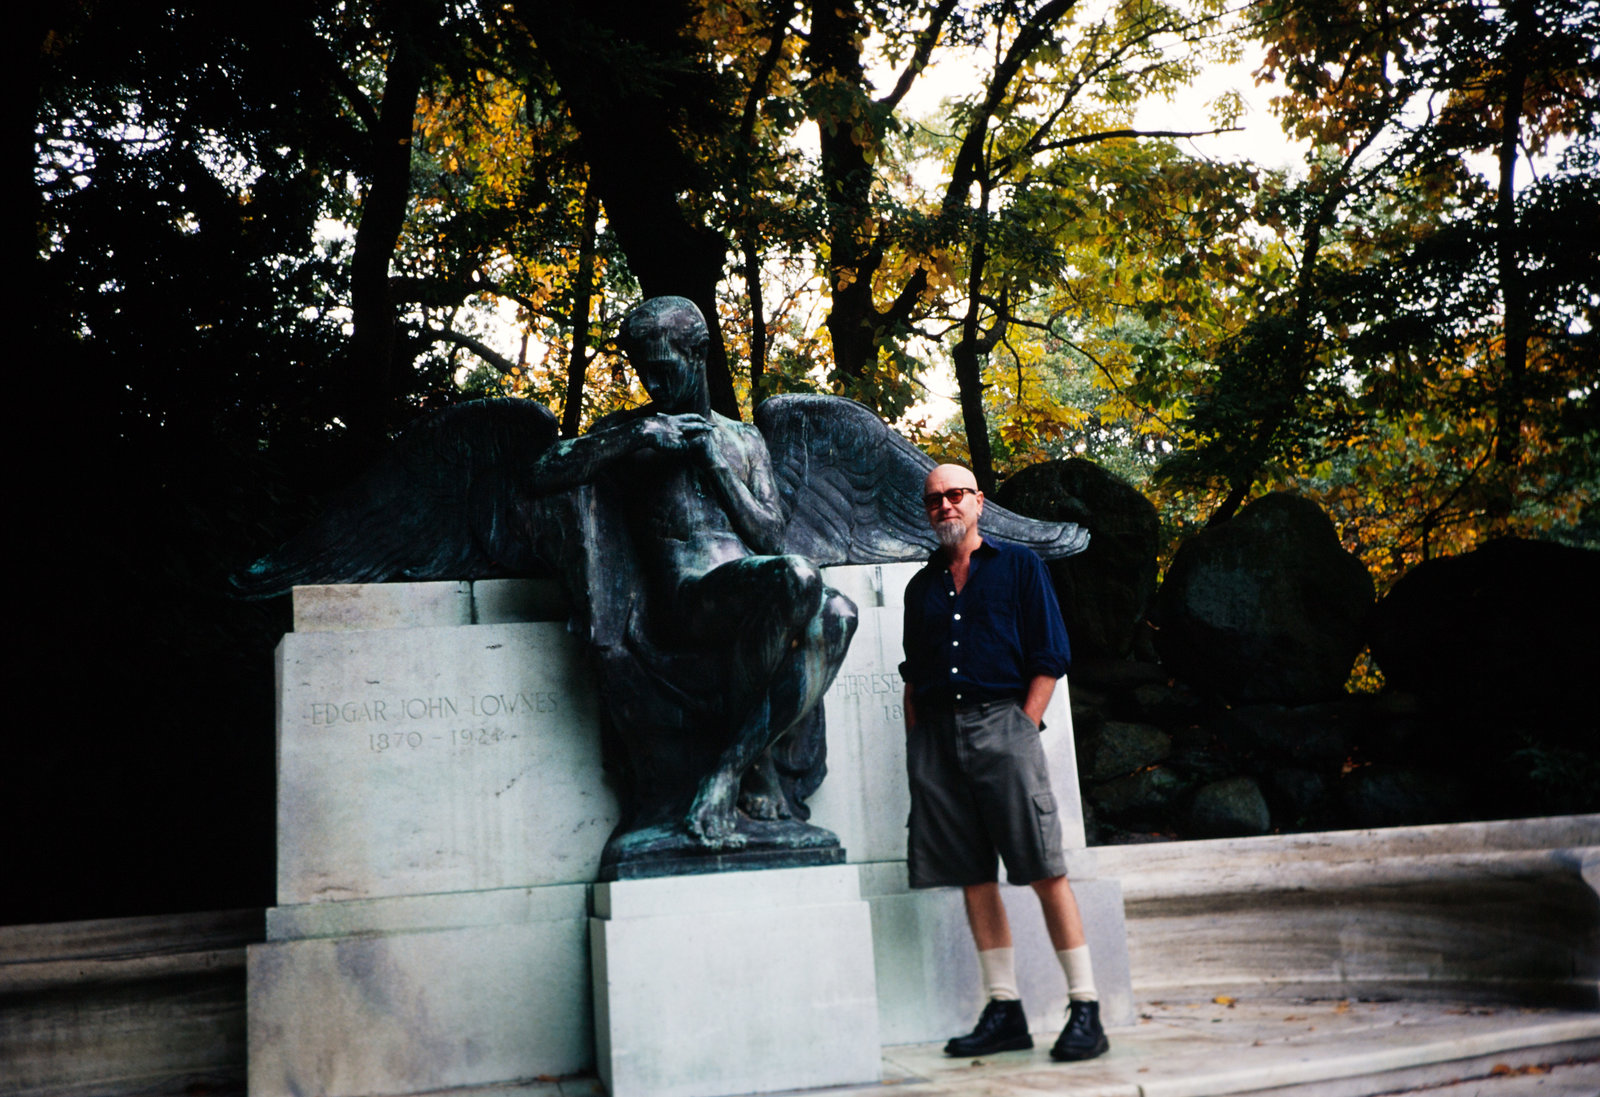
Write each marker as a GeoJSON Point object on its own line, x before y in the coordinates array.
{"type": "Point", "coordinates": [1003, 630]}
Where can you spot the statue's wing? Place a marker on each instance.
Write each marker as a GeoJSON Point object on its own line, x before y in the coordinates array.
{"type": "Point", "coordinates": [448, 500]}
{"type": "Point", "coordinates": [853, 488]}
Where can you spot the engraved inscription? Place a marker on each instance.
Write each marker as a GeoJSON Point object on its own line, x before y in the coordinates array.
{"type": "Point", "coordinates": [398, 710]}
{"type": "Point", "coordinates": [856, 685]}
{"type": "Point", "coordinates": [885, 688]}
{"type": "Point", "coordinates": [381, 742]}
{"type": "Point", "coordinates": [399, 725]}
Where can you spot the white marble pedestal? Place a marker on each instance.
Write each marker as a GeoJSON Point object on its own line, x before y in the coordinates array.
{"type": "Point", "coordinates": [742, 982]}
{"type": "Point", "coordinates": [442, 807]}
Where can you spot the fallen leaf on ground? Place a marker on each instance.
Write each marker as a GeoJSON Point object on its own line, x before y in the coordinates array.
{"type": "Point", "coordinates": [1224, 1000]}
{"type": "Point", "coordinates": [1343, 1006]}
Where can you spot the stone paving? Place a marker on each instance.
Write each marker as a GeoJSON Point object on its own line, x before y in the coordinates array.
{"type": "Point", "coordinates": [1282, 1047]}
{"type": "Point", "coordinates": [1198, 1048]}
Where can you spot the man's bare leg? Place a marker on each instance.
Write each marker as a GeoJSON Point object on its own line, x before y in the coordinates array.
{"type": "Point", "coordinates": [986, 916]}
{"type": "Point", "coordinates": [1003, 1025]}
{"type": "Point", "coordinates": [1061, 917]}
{"type": "Point", "coordinates": [1083, 1037]}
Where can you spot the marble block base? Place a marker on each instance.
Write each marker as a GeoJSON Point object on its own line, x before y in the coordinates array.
{"type": "Point", "coordinates": [745, 982]}
{"type": "Point", "coordinates": [929, 987]}
{"type": "Point", "coordinates": [420, 993]}
{"type": "Point", "coordinates": [426, 760]}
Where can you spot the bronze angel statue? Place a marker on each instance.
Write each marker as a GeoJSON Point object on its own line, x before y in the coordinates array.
{"type": "Point", "coordinates": [690, 545]}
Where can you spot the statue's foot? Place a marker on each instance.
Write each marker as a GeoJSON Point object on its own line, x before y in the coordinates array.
{"type": "Point", "coordinates": [765, 805]}
{"type": "Point", "coordinates": [761, 793]}
{"type": "Point", "coordinates": [712, 817]}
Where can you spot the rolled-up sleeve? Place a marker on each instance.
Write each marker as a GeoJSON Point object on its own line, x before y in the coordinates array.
{"type": "Point", "coordinates": [1046, 648]}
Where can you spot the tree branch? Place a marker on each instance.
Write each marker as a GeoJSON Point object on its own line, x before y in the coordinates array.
{"type": "Point", "coordinates": [965, 170]}
{"type": "Point", "coordinates": [356, 97]}
{"type": "Point", "coordinates": [1108, 135]}
{"type": "Point", "coordinates": [927, 38]}
{"type": "Point", "coordinates": [482, 350]}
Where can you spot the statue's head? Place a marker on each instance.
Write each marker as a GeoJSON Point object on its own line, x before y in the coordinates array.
{"type": "Point", "coordinates": [666, 339]}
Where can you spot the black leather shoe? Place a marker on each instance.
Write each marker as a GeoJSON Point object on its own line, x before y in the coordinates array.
{"type": "Point", "coordinates": [1003, 1027]}
{"type": "Point", "coordinates": [1083, 1038]}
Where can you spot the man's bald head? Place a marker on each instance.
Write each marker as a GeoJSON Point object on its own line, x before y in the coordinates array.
{"type": "Point", "coordinates": [949, 476]}
{"type": "Point", "coordinates": [951, 496]}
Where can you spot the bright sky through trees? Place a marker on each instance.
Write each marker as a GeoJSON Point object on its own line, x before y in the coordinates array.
{"type": "Point", "coordinates": [1387, 311]}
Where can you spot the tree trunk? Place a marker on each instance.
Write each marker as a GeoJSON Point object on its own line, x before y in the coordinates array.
{"type": "Point", "coordinates": [578, 361]}
{"type": "Point", "coordinates": [375, 379]}
{"type": "Point", "coordinates": [745, 151]}
{"type": "Point", "coordinates": [968, 353]}
{"type": "Point", "coordinates": [758, 319]}
{"type": "Point", "coordinates": [834, 54]}
{"type": "Point", "coordinates": [1513, 294]}
{"type": "Point", "coordinates": [623, 71]}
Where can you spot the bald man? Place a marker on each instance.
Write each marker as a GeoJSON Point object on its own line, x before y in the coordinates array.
{"type": "Point", "coordinates": [984, 646]}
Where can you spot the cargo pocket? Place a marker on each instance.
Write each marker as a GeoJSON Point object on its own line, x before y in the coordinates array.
{"type": "Point", "coordinates": [1044, 810]}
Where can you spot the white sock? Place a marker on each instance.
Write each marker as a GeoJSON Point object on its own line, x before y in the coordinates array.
{"type": "Point", "coordinates": [999, 969]}
{"type": "Point", "coordinates": [1080, 973]}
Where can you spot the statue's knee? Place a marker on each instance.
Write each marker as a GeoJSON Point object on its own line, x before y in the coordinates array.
{"type": "Point", "coordinates": [841, 609]}
{"type": "Point", "coordinates": [839, 619]}
{"type": "Point", "coordinates": [803, 582]}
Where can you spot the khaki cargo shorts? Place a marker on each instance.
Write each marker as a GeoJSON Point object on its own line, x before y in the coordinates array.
{"type": "Point", "coordinates": [980, 787]}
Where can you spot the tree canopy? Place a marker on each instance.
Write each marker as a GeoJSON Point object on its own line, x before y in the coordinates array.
{"type": "Point", "coordinates": [327, 220]}
{"type": "Point", "coordinates": [307, 229]}
{"type": "Point", "coordinates": [257, 242]}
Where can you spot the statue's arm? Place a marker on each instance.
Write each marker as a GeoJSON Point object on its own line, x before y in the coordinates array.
{"type": "Point", "coordinates": [740, 469]}
{"type": "Point", "coordinates": [575, 461]}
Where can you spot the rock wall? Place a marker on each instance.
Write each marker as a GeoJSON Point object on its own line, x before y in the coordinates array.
{"type": "Point", "coordinates": [1236, 720]}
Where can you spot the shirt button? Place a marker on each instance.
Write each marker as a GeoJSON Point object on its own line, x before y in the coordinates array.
{"type": "Point", "coordinates": [958, 617]}
{"type": "Point", "coordinates": [955, 643]}
{"type": "Point", "coordinates": [953, 670]}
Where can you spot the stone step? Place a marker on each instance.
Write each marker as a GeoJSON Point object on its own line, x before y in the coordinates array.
{"type": "Point", "coordinates": [125, 1005]}
{"type": "Point", "coordinates": [1572, 1078]}
{"type": "Point", "coordinates": [1286, 1048]}
{"type": "Point", "coordinates": [1501, 911]}
{"type": "Point", "coordinates": [1297, 929]}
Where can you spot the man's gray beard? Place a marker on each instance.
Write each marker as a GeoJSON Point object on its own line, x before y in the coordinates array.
{"type": "Point", "coordinates": [951, 532]}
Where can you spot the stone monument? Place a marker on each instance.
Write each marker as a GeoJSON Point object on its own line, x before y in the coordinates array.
{"type": "Point", "coordinates": [443, 808]}
{"type": "Point", "coordinates": [450, 763]}
{"type": "Point", "coordinates": [689, 543]}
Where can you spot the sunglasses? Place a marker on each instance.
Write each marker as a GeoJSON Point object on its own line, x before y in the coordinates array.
{"type": "Point", "coordinates": [953, 496]}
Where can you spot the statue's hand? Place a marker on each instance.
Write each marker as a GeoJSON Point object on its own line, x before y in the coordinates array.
{"type": "Point", "coordinates": [675, 433]}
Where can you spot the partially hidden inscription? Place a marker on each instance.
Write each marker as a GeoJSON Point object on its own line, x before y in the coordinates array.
{"type": "Point", "coordinates": [850, 685]}
{"type": "Point", "coordinates": [395, 710]}
{"type": "Point", "coordinates": [393, 714]}
{"type": "Point", "coordinates": [887, 687]}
